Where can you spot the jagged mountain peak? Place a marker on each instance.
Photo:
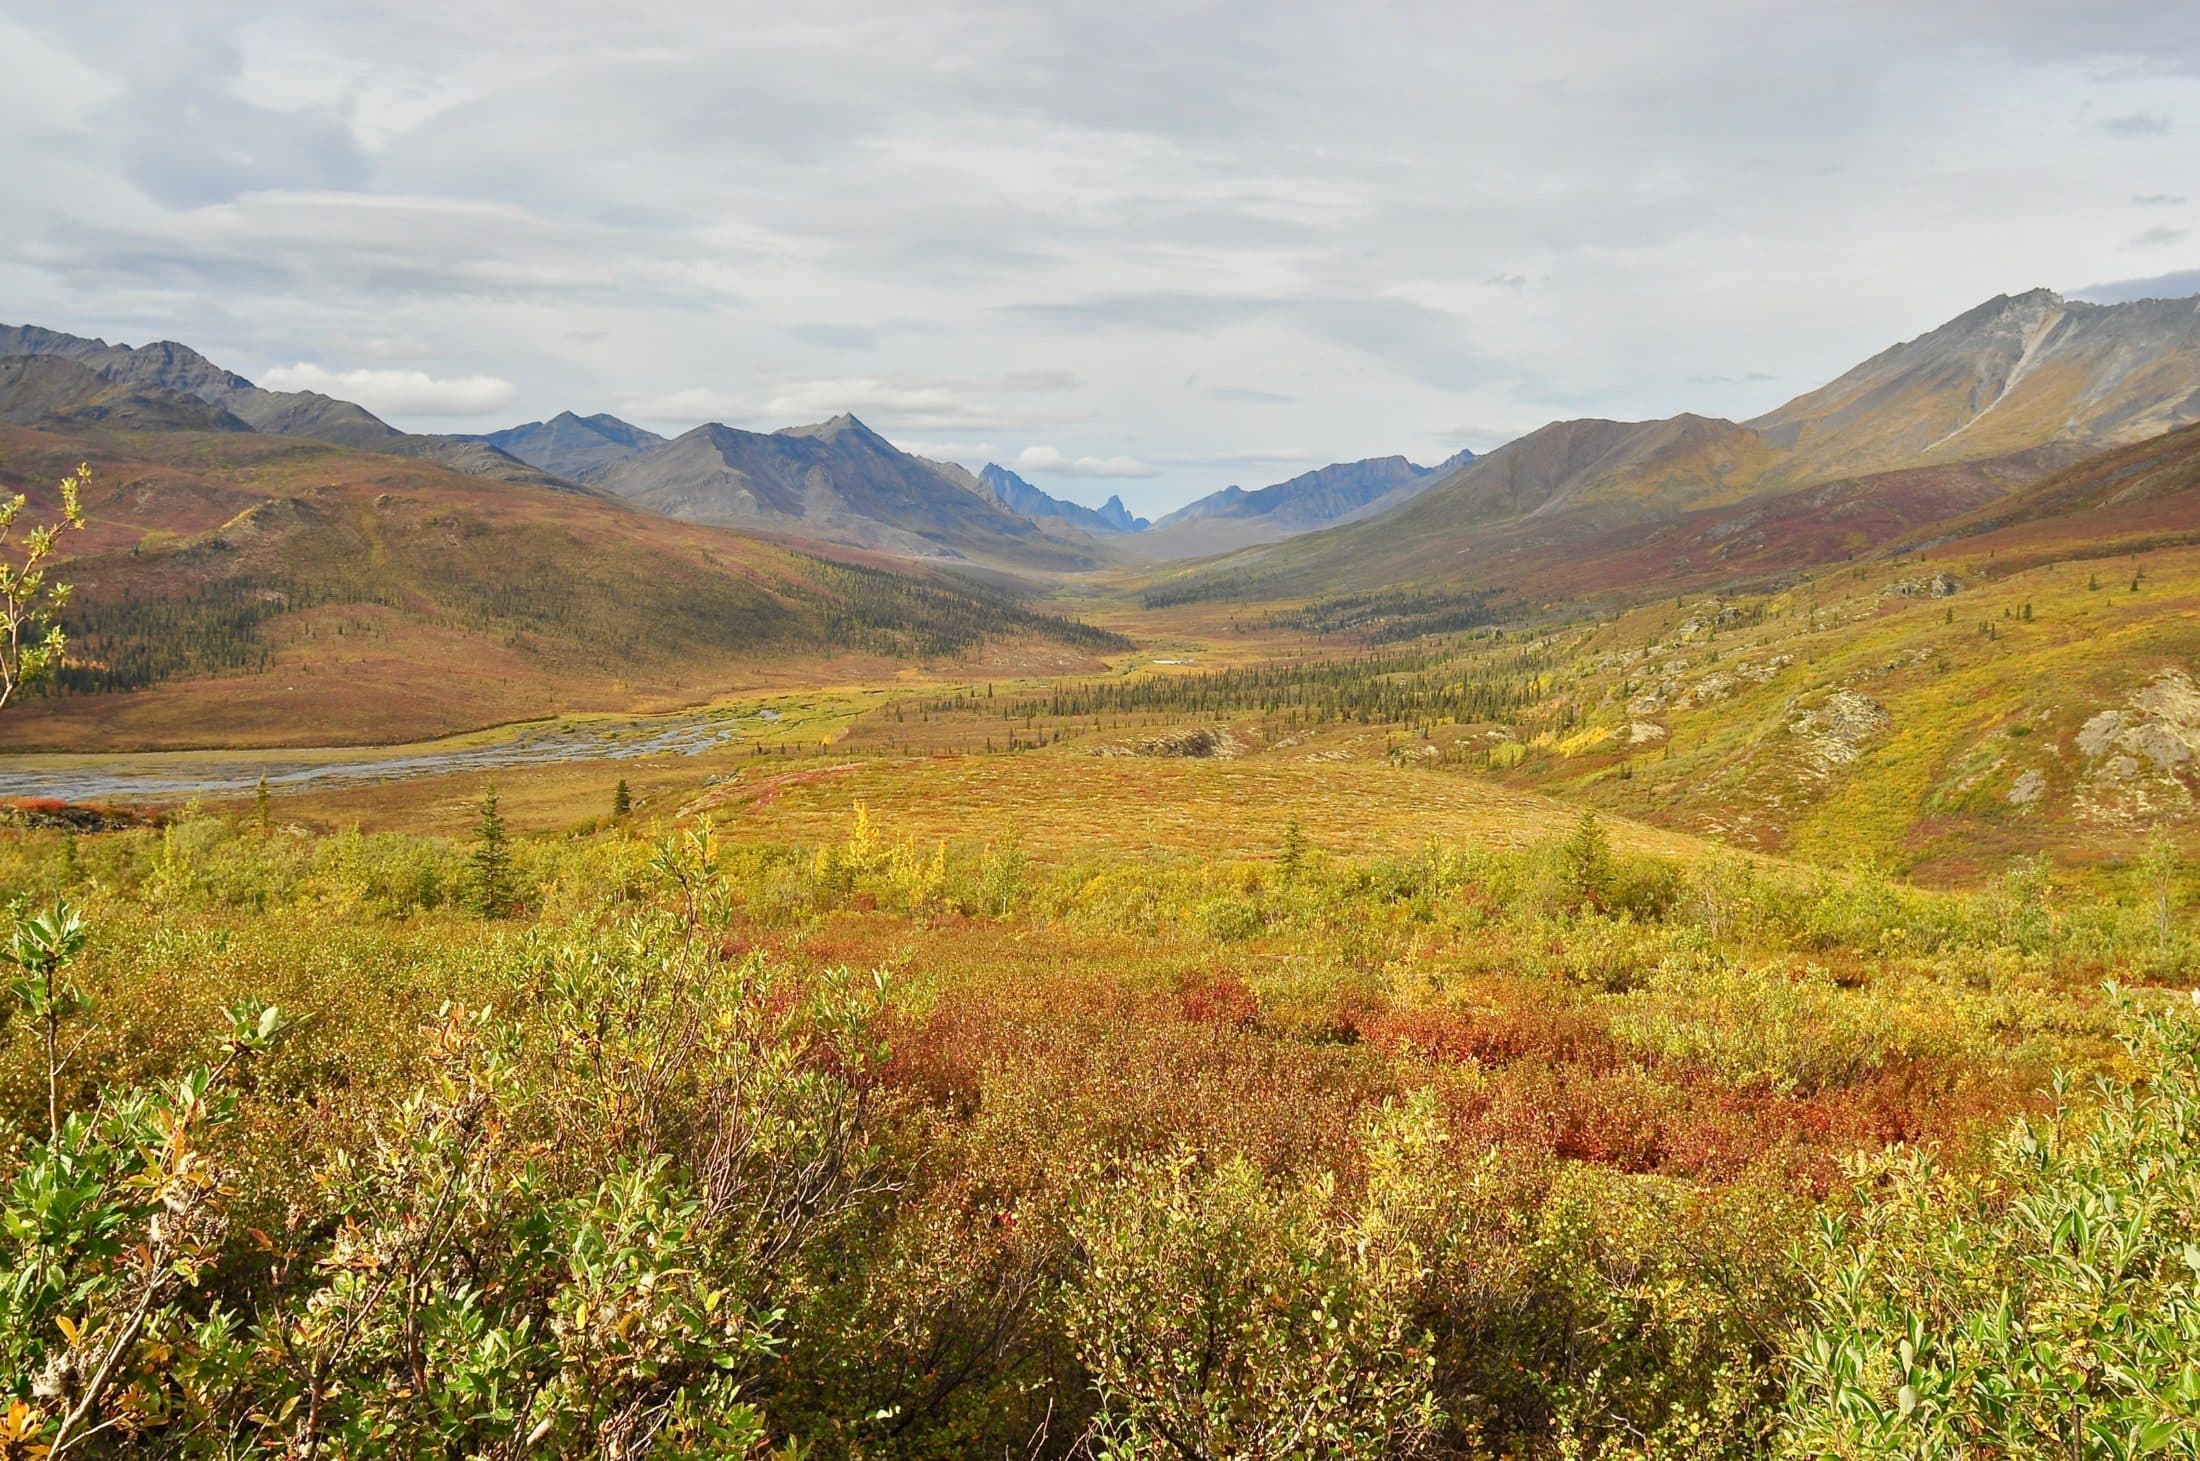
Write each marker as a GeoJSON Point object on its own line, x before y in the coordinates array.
{"type": "Point", "coordinates": [1025, 500]}
{"type": "Point", "coordinates": [834, 428]}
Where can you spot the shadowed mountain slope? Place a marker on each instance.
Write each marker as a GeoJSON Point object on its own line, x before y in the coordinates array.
{"type": "Point", "coordinates": [168, 366]}
{"type": "Point", "coordinates": [51, 390]}
{"type": "Point", "coordinates": [578, 448]}
{"type": "Point", "coordinates": [1341, 492]}
{"type": "Point", "coordinates": [1025, 500]}
{"type": "Point", "coordinates": [837, 481]}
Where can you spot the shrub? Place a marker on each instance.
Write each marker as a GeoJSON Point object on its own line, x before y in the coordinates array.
{"type": "Point", "coordinates": [2047, 1306]}
{"type": "Point", "coordinates": [1220, 1315]}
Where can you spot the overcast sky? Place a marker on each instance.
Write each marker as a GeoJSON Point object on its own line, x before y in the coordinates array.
{"type": "Point", "coordinates": [1142, 248]}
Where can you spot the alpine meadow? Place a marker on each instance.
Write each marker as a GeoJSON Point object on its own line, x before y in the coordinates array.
{"type": "Point", "coordinates": [711, 818]}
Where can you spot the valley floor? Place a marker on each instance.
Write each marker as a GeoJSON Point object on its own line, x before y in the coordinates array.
{"type": "Point", "coordinates": [1717, 1029]}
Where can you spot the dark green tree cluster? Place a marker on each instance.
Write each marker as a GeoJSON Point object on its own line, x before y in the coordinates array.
{"type": "Point", "coordinates": [130, 641]}
{"type": "Point", "coordinates": [1393, 615]}
{"type": "Point", "coordinates": [1408, 685]}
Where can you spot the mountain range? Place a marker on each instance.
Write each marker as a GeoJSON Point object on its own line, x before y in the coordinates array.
{"type": "Point", "coordinates": [835, 482]}
{"type": "Point", "coordinates": [1927, 431]}
{"type": "Point", "coordinates": [1020, 497]}
{"type": "Point", "coordinates": [1341, 492]}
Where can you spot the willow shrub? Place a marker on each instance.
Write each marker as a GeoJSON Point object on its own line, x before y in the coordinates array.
{"type": "Point", "coordinates": [2047, 1305]}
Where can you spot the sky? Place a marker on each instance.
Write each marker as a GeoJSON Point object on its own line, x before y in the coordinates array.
{"type": "Point", "coordinates": [1122, 247]}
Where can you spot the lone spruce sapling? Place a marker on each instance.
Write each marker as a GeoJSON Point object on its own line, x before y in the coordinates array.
{"type": "Point", "coordinates": [492, 859]}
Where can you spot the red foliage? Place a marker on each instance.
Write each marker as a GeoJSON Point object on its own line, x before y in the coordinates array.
{"type": "Point", "coordinates": [1221, 999]}
{"type": "Point", "coordinates": [1495, 1036]}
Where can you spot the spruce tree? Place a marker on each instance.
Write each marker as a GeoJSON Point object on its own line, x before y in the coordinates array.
{"type": "Point", "coordinates": [622, 801]}
{"type": "Point", "coordinates": [492, 859]}
{"type": "Point", "coordinates": [1587, 858]}
{"type": "Point", "coordinates": [259, 805]}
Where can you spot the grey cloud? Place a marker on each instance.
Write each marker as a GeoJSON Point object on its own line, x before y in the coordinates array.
{"type": "Point", "coordinates": [183, 135]}
{"type": "Point", "coordinates": [377, 246]}
{"type": "Point", "coordinates": [1427, 344]}
{"type": "Point", "coordinates": [1242, 456]}
{"type": "Point", "coordinates": [2134, 124]}
{"type": "Point", "coordinates": [1168, 313]}
{"type": "Point", "coordinates": [1378, 216]}
{"type": "Point", "coordinates": [2161, 236]}
{"type": "Point", "coordinates": [2160, 286]}
{"type": "Point", "coordinates": [1041, 380]}
{"type": "Point", "coordinates": [836, 337]}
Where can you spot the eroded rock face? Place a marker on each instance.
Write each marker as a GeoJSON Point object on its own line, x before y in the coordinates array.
{"type": "Point", "coordinates": [1759, 672]}
{"type": "Point", "coordinates": [2027, 789]}
{"type": "Point", "coordinates": [2141, 758]}
{"type": "Point", "coordinates": [1938, 586]}
{"type": "Point", "coordinates": [1836, 732]}
{"type": "Point", "coordinates": [1715, 686]}
{"type": "Point", "coordinates": [1207, 742]}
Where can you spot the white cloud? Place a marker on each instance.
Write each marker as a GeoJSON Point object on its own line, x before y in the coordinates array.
{"type": "Point", "coordinates": [1251, 455]}
{"type": "Point", "coordinates": [396, 392]}
{"type": "Point", "coordinates": [920, 403]}
{"type": "Point", "coordinates": [1052, 462]}
{"type": "Point", "coordinates": [925, 405]}
{"type": "Point", "coordinates": [971, 454]}
{"type": "Point", "coordinates": [685, 407]}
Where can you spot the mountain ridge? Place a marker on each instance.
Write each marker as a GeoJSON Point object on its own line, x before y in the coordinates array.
{"type": "Point", "coordinates": [2019, 385]}
{"type": "Point", "coordinates": [1341, 492]}
{"type": "Point", "coordinates": [834, 480]}
{"type": "Point", "coordinates": [1025, 500]}
{"type": "Point", "coordinates": [579, 448]}
{"type": "Point", "coordinates": [167, 365]}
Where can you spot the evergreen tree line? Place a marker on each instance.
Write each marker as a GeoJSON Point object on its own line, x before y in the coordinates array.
{"type": "Point", "coordinates": [1402, 686]}
{"type": "Point", "coordinates": [891, 613]}
{"type": "Point", "coordinates": [123, 638]}
{"type": "Point", "coordinates": [128, 641]}
{"type": "Point", "coordinates": [1392, 616]}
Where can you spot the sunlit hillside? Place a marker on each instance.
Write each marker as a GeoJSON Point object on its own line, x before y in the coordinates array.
{"type": "Point", "coordinates": [256, 590]}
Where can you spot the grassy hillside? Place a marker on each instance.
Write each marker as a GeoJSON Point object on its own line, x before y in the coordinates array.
{"type": "Point", "coordinates": [1542, 563]}
{"type": "Point", "coordinates": [282, 592]}
{"type": "Point", "coordinates": [2029, 683]}
{"type": "Point", "coordinates": [2010, 374]}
